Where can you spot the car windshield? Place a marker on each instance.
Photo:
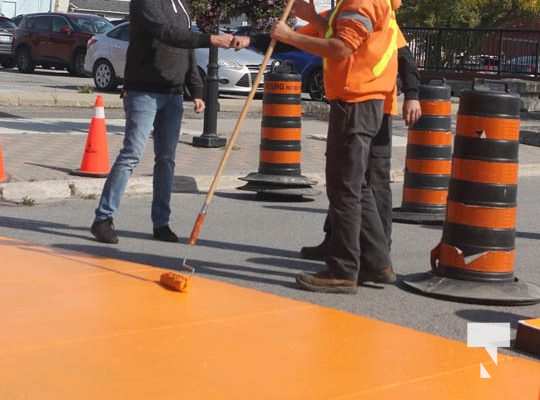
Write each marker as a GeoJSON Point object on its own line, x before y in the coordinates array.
{"type": "Point", "coordinates": [6, 24]}
{"type": "Point", "coordinates": [91, 25]}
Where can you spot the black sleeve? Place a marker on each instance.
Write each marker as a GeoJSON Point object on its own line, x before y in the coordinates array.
{"type": "Point", "coordinates": [193, 79]}
{"type": "Point", "coordinates": [408, 73]}
{"type": "Point", "coordinates": [261, 41]}
{"type": "Point", "coordinates": [149, 15]}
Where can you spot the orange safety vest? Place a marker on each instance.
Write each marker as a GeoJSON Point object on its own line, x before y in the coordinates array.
{"type": "Point", "coordinates": [370, 73]}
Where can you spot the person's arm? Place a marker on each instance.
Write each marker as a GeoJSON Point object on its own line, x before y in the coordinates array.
{"type": "Point", "coordinates": [306, 11]}
{"type": "Point", "coordinates": [194, 79]}
{"type": "Point", "coordinates": [148, 13]}
{"type": "Point", "coordinates": [261, 41]}
{"type": "Point", "coordinates": [410, 80]}
{"type": "Point", "coordinates": [326, 48]}
{"type": "Point", "coordinates": [352, 27]}
{"type": "Point", "coordinates": [408, 73]}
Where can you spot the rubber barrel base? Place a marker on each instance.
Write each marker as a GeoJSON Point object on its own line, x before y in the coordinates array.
{"type": "Point", "coordinates": [515, 293]}
{"type": "Point", "coordinates": [406, 216]}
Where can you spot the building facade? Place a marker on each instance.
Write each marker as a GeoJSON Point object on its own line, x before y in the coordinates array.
{"type": "Point", "coordinates": [106, 8]}
{"type": "Point", "coordinates": [11, 8]}
{"type": "Point", "coordinates": [112, 9]}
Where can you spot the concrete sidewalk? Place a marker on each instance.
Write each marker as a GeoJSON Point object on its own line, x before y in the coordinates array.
{"type": "Point", "coordinates": [39, 155]}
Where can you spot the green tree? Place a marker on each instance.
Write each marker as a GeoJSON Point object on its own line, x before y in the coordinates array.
{"type": "Point", "coordinates": [466, 13]}
{"type": "Point", "coordinates": [260, 13]}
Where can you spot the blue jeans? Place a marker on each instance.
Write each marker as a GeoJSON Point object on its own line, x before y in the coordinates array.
{"type": "Point", "coordinates": [146, 111]}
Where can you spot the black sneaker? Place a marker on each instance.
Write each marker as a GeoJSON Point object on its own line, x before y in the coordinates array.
{"type": "Point", "coordinates": [316, 253]}
{"type": "Point", "coordinates": [104, 231]}
{"type": "Point", "coordinates": [165, 234]}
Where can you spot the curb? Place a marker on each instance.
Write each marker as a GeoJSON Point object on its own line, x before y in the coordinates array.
{"type": "Point", "coordinates": [30, 193]}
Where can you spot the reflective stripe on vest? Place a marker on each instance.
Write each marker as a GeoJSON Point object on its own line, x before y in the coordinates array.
{"type": "Point", "coordinates": [330, 31]}
{"type": "Point", "coordinates": [381, 66]}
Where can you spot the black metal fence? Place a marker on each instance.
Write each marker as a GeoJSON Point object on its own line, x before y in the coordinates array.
{"type": "Point", "coordinates": [491, 52]}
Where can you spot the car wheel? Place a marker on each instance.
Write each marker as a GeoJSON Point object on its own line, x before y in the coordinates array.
{"type": "Point", "coordinates": [315, 85]}
{"type": "Point", "coordinates": [24, 61]}
{"type": "Point", "coordinates": [104, 76]}
{"type": "Point", "coordinates": [77, 63]}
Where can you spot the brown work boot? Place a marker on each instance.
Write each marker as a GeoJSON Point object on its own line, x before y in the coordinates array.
{"type": "Point", "coordinates": [326, 282]}
{"type": "Point", "coordinates": [385, 275]}
{"type": "Point", "coordinates": [316, 253]}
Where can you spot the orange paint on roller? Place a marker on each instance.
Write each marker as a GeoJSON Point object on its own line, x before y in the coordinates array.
{"type": "Point", "coordinates": [176, 282]}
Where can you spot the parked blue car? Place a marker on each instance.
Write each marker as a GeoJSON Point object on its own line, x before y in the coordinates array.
{"type": "Point", "coordinates": [309, 66]}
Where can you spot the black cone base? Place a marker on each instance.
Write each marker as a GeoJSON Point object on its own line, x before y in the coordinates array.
{"type": "Point", "coordinates": [209, 141]}
{"type": "Point", "coordinates": [405, 216]}
{"type": "Point", "coordinates": [257, 177]}
{"type": "Point", "coordinates": [78, 172]}
{"type": "Point", "coordinates": [281, 190]}
{"type": "Point", "coordinates": [513, 293]}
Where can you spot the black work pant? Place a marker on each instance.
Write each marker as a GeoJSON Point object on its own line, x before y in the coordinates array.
{"type": "Point", "coordinates": [378, 177]}
{"type": "Point", "coordinates": [357, 233]}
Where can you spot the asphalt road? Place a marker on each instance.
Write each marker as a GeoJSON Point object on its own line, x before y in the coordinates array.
{"type": "Point", "coordinates": [12, 79]}
{"type": "Point", "coordinates": [254, 244]}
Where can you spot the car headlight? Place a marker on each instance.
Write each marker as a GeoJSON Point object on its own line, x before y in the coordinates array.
{"type": "Point", "coordinates": [230, 64]}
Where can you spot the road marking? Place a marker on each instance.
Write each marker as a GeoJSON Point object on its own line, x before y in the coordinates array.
{"type": "Point", "coordinates": [62, 126]}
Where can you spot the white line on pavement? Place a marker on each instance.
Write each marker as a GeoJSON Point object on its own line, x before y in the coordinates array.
{"type": "Point", "coordinates": [64, 126]}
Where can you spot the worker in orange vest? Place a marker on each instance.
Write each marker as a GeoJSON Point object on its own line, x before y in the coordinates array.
{"type": "Point", "coordinates": [359, 49]}
{"type": "Point", "coordinates": [381, 148]}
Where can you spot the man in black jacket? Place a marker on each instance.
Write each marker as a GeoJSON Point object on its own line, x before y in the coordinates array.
{"type": "Point", "coordinates": [160, 61]}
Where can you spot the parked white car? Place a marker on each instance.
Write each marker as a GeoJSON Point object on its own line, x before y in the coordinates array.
{"type": "Point", "coordinates": [106, 60]}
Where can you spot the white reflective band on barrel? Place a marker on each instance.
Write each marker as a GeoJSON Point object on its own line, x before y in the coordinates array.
{"type": "Point", "coordinates": [100, 112]}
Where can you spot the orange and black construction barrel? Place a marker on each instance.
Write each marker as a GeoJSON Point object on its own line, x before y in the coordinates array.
{"type": "Point", "coordinates": [474, 262]}
{"type": "Point", "coordinates": [429, 160]}
{"type": "Point", "coordinates": [281, 140]}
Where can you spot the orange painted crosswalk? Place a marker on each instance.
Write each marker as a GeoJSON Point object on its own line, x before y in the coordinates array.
{"type": "Point", "coordinates": [82, 327]}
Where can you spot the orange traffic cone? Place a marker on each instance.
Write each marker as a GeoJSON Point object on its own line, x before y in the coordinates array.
{"type": "Point", "coordinates": [95, 162]}
{"type": "Point", "coordinates": [3, 176]}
